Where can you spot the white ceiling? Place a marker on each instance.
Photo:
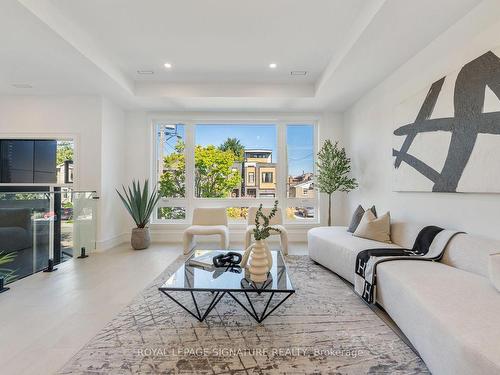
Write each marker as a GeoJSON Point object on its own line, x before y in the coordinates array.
{"type": "Point", "coordinates": [220, 49]}
{"type": "Point", "coordinates": [216, 40]}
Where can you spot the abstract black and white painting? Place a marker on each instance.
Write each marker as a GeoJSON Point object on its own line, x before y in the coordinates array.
{"type": "Point", "coordinates": [448, 137]}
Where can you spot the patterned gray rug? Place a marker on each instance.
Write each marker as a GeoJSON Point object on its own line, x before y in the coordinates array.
{"type": "Point", "coordinates": [323, 328]}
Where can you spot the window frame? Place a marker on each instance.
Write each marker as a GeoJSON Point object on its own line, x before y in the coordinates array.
{"type": "Point", "coordinates": [264, 179]}
{"type": "Point", "coordinates": [280, 176]}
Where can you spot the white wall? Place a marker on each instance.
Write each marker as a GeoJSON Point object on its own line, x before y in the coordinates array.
{"type": "Point", "coordinates": [111, 218]}
{"type": "Point", "coordinates": [369, 124]}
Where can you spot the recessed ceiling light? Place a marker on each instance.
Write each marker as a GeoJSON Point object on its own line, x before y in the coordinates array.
{"type": "Point", "coordinates": [22, 86]}
{"type": "Point", "coordinates": [145, 72]}
{"type": "Point", "coordinates": [167, 65]}
{"type": "Point", "coordinates": [273, 65]}
{"type": "Point", "coordinates": [298, 73]}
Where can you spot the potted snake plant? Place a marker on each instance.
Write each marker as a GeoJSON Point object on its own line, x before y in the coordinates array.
{"type": "Point", "coordinates": [140, 205]}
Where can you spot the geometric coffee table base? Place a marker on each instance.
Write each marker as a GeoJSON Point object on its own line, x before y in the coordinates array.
{"type": "Point", "coordinates": [260, 317]}
{"type": "Point", "coordinates": [197, 314]}
{"type": "Point", "coordinates": [218, 296]}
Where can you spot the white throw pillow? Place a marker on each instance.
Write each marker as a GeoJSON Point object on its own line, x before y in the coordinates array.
{"type": "Point", "coordinates": [375, 228]}
{"type": "Point", "coordinates": [494, 270]}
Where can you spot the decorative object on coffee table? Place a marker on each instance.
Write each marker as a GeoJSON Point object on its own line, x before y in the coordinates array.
{"type": "Point", "coordinates": [276, 222]}
{"type": "Point", "coordinates": [333, 172]}
{"type": "Point", "coordinates": [140, 204]}
{"type": "Point", "coordinates": [260, 261]}
{"type": "Point", "coordinates": [257, 255]}
{"type": "Point", "coordinates": [229, 259]}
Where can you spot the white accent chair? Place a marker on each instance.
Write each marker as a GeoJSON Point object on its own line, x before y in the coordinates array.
{"type": "Point", "coordinates": [207, 221]}
{"type": "Point", "coordinates": [276, 221]}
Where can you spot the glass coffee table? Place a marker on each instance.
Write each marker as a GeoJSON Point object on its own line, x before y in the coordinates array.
{"type": "Point", "coordinates": [237, 285]}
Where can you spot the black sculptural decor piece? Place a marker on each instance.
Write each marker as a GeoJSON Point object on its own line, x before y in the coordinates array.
{"type": "Point", "coordinates": [229, 259]}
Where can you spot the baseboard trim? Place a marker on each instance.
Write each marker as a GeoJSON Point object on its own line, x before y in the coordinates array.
{"type": "Point", "coordinates": [111, 242]}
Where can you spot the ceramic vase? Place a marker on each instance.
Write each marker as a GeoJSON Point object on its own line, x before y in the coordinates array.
{"type": "Point", "coordinates": [140, 238]}
{"type": "Point", "coordinates": [258, 260]}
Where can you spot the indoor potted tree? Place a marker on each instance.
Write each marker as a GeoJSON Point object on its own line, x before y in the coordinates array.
{"type": "Point", "coordinates": [260, 257]}
{"type": "Point", "coordinates": [333, 172]}
{"type": "Point", "coordinates": [140, 206]}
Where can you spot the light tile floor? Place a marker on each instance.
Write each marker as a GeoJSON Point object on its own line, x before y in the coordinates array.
{"type": "Point", "coordinates": [46, 318]}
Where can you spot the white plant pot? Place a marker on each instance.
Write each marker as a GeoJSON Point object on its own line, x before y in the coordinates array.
{"type": "Point", "coordinates": [260, 261]}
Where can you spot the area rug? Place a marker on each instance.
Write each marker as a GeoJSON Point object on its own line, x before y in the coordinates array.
{"type": "Point", "coordinates": [324, 328]}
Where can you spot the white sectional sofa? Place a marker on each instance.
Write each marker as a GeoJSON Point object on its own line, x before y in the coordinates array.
{"type": "Point", "coordinates": [449, 310]}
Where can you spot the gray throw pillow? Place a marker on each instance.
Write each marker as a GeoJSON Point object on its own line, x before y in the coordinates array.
{"type": "Point", "coordinates": [357, 216]}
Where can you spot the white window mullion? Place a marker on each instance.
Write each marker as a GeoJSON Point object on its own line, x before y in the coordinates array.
{"type": "Point", "coordinates": [281, 167]}
{"type": "Point", "coordinates": [315, 170]}
{"type": "Point", "coordinates": [190, 169]}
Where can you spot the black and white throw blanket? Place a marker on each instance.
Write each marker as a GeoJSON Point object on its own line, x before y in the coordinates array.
{"type": "Point", "coordinates": [429, 245]}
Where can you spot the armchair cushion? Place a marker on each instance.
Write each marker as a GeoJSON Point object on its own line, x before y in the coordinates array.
{"type": "Point", "coordinates": [209, 216]}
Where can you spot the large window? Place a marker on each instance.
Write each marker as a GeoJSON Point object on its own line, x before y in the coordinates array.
{"type": "Point", "coordinates": [234, 165]}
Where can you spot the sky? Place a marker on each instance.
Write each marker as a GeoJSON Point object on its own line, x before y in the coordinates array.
{"type": "Point", "coordinates": [300, 140]}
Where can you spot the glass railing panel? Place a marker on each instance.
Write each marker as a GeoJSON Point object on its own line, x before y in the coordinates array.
{"type": "Point", "coordinates": [36, 227]}
{"type": "Point", "coordinates": [84, 222]}
{"type": "Point", "coordinates": [25, 233]}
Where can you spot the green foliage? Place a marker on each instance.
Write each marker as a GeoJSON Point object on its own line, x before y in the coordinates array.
{"type": "Point", "coordinates": [173, 179]}
{"type": "Point", "coordinates": [171, 213]}
{"type": "Point", "coordinates": [8, 274]}
{"type": "Point", "coordinates": [214, 176]}
{"type": "Point", "coordinates": [237, 212]}
{"type": "Point", "coordinates": [334, 167]}
{"type": "Point", "coordinates": [64, 151]}
{"type": "Point", "coordinates": [235, 146]}
{"type": "Point", "coordinates": [139, 203]}
{"type": "Point", "coordinates": [263, 230]}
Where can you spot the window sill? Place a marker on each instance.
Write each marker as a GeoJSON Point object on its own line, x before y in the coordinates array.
{"type": "Point", "coordinates": [234, 226]}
